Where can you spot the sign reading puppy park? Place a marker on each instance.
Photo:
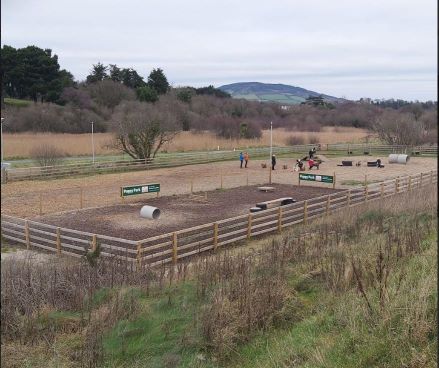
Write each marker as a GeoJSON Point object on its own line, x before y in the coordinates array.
{"type": "Point", "coordinates": [320, 178]}
{"type": "Point", "coordinates": [139, 189]}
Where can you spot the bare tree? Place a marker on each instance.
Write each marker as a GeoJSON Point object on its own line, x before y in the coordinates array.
{"type": "Point", "coordinates": [394, 127]}
{"type": "Point", "coordinates": [143, 128]}
{"type": "Point", "coordinates": [110, 94]}
{"type": "Point", "coordinates": [47, 155]}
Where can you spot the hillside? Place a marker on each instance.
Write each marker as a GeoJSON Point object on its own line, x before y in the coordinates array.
{"type": "Point", "coordinates": [280, 93]}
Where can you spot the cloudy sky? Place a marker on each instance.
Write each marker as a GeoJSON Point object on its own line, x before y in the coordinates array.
{"type": "Point", "coordinates": [352, 49]}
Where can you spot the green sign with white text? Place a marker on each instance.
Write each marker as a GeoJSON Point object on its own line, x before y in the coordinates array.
{"type": "Point", "coordinates": [321, 178]}
{"type": "Point", "coordinates": [139, 189]}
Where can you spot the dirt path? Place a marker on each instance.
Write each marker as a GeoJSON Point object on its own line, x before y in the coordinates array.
{"type": "Point", "coordinates": [23, 198]}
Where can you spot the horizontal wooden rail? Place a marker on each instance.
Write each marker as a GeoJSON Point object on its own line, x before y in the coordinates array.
{"type": "Point", "coordinates": [184, 243]}
{"type": "Point", "coordinates": [180, 159]}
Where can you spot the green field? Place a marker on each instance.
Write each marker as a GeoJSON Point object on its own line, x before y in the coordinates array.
{"type": "Point", "coordinates": [16, 102]}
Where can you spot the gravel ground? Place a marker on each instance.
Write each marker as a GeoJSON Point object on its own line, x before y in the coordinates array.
{"type": "Point", "coordinates": [177, 212]}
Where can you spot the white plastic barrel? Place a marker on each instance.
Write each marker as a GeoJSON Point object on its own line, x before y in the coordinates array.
{"type": "Point", "coordinates": [150, 212]}
{"type": "Point", "coordinates": [398, 158]}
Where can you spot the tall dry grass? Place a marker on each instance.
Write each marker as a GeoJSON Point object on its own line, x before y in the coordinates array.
{"type": "Point", "coordinates": [355, 253]}
{"type": "Point", "coordinates": [21, 144]}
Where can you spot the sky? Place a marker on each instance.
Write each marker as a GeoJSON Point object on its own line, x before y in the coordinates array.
{"type": "Point", "coordinates": [351, 49]}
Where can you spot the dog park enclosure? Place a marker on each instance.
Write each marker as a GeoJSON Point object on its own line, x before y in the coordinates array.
{"type": "Point", "coordinates": [171, 247]}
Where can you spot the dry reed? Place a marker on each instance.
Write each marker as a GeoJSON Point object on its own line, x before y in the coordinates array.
{"type": "Point", "coordinates": [21, 144]}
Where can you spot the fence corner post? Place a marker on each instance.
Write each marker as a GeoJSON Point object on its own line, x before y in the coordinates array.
{"type": "Point", "coordinates": [58, 240]}
{"type": "Point", "coordinates": [174, 248]}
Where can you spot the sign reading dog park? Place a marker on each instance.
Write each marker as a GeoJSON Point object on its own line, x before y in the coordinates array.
{"type": "Point", "coordinates": [312, 177]}
{"type": "Point", "coordinates": [139, 189]}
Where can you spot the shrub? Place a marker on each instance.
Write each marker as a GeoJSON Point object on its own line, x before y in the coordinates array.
{"type": "Point", "coordinates": [47, 155]}
{"type": "Point", "coordinates": [295, 140]}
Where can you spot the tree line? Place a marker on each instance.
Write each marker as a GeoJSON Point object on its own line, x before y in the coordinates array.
{"type": "Point", "coordinates": [146, 113]}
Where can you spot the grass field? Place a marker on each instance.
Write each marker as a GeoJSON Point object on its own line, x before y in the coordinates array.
{"type": "Point", "coordinates": [20, 145]}
{"type": "Point", "coordinates": [16, 102]}
{"type": "Point", "coordinates": [361, 293]}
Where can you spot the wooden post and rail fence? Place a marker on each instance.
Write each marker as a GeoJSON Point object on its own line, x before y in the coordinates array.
{"type": "Point", "coordinates": [191, 158]}
{"type": "Point", "coordinates": [172, 247]}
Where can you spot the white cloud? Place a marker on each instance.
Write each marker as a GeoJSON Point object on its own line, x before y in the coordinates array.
{"type": "Point", "coordinates": [350, 48]}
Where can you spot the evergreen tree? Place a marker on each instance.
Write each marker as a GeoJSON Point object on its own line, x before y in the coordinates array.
{"type": "Point", "coordinates": [32, 72]}
{"type": "Point", "coordinates": [157, 80]}
{"type": "Point", "coordinates": [147, 94]}
{"type": "Point", "coordinates": [98, 73]}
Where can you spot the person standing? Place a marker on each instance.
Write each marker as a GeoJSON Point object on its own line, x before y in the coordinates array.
{"type": "Point", "coordinates": [241, 158]}
{"type": "Point", "coordinates": [246, 158]}
{"type": "Point", "coordinates": [273, 162]}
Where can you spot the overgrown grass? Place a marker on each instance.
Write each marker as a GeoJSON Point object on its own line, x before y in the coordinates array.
{"type": "Point", "coordinates": [361, 292]}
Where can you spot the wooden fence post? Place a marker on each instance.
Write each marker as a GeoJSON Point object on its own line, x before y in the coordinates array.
{"type": "Point", "coordinates": [94, 243]}
{"type": "Point", "coordinates": [80, 198]}
{"type": "Point", "coordinates": [221, 180]}
{"type": "Point", "coordinates": [410, 183]}
{"type": "Point", "coordinates": [366, 192]}
{"type": "Point", "coordinates": [174, 248]}
{"type": "Point", "coordinates": [215, 236]}
{"type": "Point", "coordinates": [247, 178]}
{"type": "Point", "coordinates": [279, 220]}
{"type": "Point", "coordinates": [349, 198]}
{"type": "Point", "coordinates": [249, 226]}
{"type": "Point", "coordinates": [192, 186]}
{"type": "Point", "coordinates": [420, 181]}
{"type": "Point", "coordinates": [139, 256]}
{"type": "Point", "coordinates": [328, 201]}
{"type": "Point", "coordinates": [333, 184]}
{"type": "Point", "coordinates": [365, 179]}
{"type": "Point", "coordinates": [58, 240]}
{"type": "Point", "coordinates": [396, 185]}
{"type": "Point", "coordinates": [382, 190]}
{"type": "Point", "coordinates": [305, 212]}
{"type": "Point", "coordinates": [26, 234]}
{"type": "Point", "coordinates": [431, 177]}
{"type": "Point", "coordinates": [41, 204]}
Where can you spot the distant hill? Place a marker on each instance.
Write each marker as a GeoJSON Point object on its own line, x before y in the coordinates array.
{"type": "Point", "coordinates": [281, 93]}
